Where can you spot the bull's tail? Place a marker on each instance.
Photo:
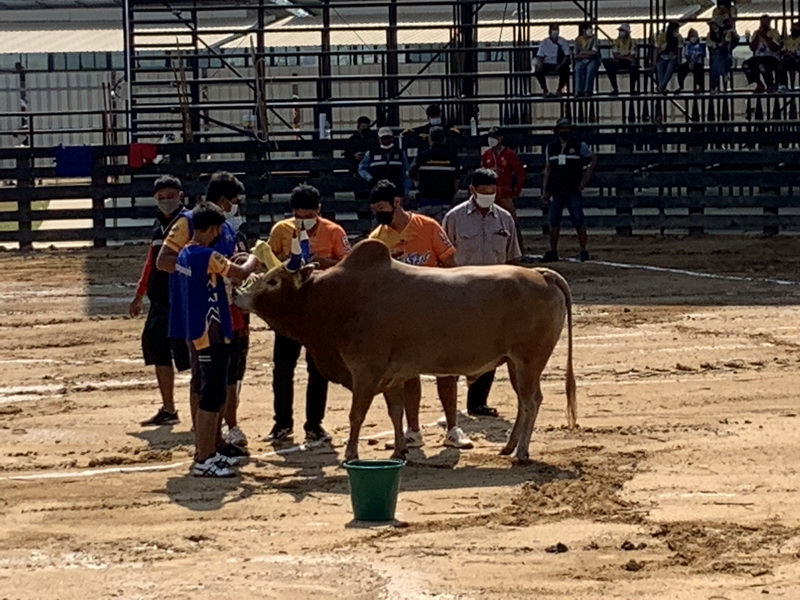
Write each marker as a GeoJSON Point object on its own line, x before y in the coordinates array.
{"type": "Point", "coordinates": [572, 395]}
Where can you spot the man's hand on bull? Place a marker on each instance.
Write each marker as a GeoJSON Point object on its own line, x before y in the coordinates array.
{"type": "Point", "coordinates": [135, 307]}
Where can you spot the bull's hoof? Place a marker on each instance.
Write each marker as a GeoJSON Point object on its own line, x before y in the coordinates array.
{"type": "Point", "coordinates": [507, 451]}
{"type": "Point", "coordinates": [522, 461]}
{"type": "Point", "coordinates": [397, 455]}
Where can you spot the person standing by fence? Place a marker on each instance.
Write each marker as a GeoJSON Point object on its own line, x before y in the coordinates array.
{"type": "Point", "coordinates": [564, 181]}
{"type": "Point", "coordinates": [158, 349]}
{"type": "Point", "coordinates": [505, 161]}
{"type": "Point", "coordinates": [437, 171]}
{"type": "Point", "coordinates": [386, 161]}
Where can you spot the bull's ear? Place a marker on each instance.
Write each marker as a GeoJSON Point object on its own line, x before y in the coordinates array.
{"type": "Point", "coordinates": [306, 271]}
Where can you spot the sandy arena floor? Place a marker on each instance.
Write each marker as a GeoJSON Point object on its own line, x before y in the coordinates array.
{"type": "Point", "coordinates": [681, 483]}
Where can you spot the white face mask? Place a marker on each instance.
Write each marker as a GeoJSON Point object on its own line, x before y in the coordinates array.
{"type": "Point", "coordinates": [492, 142]}
{"type": "Point", "coordinates": [589, 32]}
{"type": "Point", "coordinates": [386, 146]}
{"type": "Point", "coordinates": [694, 40]}
{"type": "Point", "coordinates": [484, 200]}
{"type": "Point", "coordinates": [554, 35]}
{"type": "Point", "coordinates": [436, 121]}
{"type": "Point", "coordinates": [307, 224]}
{"type": "Point", "coordinates": [233, 218]}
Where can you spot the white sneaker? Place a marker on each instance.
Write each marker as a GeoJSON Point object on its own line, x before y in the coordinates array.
{"type": "Point", "coordinates": [456, 438]}
{"type": "Point", "coordinates": [414, 439]}
{"type": "Point", "coordinates": [236, 436]}
{"type": "Point", "coordinates": [442, 422]}
{"type": "Point", "coordinates": [214, 466]}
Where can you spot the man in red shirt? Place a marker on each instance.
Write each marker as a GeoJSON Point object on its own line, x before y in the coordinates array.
{"type": "Point", "coordinates": [510, 174]}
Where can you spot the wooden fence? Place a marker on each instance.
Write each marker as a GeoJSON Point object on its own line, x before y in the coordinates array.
{"type": "Point", "coordinates": [691, 178]}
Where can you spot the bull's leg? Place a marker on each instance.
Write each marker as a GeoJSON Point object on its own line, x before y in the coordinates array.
{"type": "Point", "coordinates": [362, 399]}
{"type": "Point", "coordinates": [527, 432]}
{"type": "Point", "coordinates": [395, 402]}
{"type": "Point", "coordinates": [527, 378]}
{"type": "Point", "coordinates": [513, 438]}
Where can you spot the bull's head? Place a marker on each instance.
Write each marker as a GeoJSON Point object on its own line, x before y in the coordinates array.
{"type": "Point", "coordinates": [278, 297]}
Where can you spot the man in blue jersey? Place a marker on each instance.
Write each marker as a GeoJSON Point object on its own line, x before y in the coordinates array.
{"type": "Point", "coordinates": [203, 319]}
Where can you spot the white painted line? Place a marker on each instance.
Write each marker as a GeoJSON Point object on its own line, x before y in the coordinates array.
{"type": "Point", "coordinates": [689, 273]}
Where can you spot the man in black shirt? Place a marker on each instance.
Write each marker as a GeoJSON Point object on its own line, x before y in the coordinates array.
{"type": "Point", "coordinates": [435, 119]}
{"type": "Point", "coordinates": [361, 142]}
{"type": "Point", "coordinates": [157, 349]}
{"type": "Point", "coordinates": [437, 172]}
{"type": "Point", "coordinates": [564, 180]}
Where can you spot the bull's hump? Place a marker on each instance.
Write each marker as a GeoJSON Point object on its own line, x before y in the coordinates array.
{"type": "Point", "coordinates": [368, 254]}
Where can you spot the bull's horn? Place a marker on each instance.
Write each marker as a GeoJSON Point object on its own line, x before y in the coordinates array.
{"type": "Point", "coordinates": [296, 260]}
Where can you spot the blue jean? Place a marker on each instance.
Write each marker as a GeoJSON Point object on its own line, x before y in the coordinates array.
{"type": "Point", "coordinates": [573, 203]}
{"type": "Point", "coordinates": [720, 66]}
{"type": "Point", "coordinates": [665, 69]}
{"type": "Point", "coordinates": [585, 74]}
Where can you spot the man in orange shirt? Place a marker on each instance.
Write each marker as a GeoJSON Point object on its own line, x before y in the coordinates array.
{"type": "Point", "coordinates": [328, 245]}
{"type": "Point", "coordinates": [418, 240]}
{"type": "Point", "coordinates": [505, 161]}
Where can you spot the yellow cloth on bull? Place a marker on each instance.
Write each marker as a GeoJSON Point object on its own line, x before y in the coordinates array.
{"type": "Point", "coordinates": [264, 253]}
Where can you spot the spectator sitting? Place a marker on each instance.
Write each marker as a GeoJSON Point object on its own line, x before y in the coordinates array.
{"type": "Point", "coordinates": [761, 68]}
{"type": "Point", "coordinates": [624, 60]}
{"type": "Point", "coordinates": [669, 47]}
{"type": "Point", "coordinates": [695, 54]}
{"type": "Point", "coordinates": [552, 57]}
{"type": "Point", "coordinates": [587, 60]}
{"type": "Point", "coordinates": [719, 42]}
{"type": "Point", "coordinates": [790, 56]}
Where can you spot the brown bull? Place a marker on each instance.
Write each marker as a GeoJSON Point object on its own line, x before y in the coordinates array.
{"type": "Point", "coordinates": [372, 323]}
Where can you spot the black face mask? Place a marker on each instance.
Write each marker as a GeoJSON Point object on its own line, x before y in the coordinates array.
{"type": "Point", "coordinates": [564, 135]}
{"type": "Point", "coordinates": [384, 217]}
{"type": "Point", "coordinates": [795, 34]}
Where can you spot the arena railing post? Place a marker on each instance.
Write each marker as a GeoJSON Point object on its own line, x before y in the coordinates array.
{"type": "Point", "coordinates": [99, 182]}
{"type": "Point", "coordinates": [24, 187]}
{"type": "Point", "coordinates": [695, 193]}
{"type": "Point", "coordinates": [625, 195]}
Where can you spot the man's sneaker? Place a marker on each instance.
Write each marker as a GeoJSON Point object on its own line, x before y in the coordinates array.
{"type": "Point", "coordinates": [234, 451]}
{"type": "Point", "coordinates": [317, 434]}
{"type": "Point", "coordinates": [458, 439]}
{"type": "Point", "coordinates": [280, 434]}
{"type": "Point", "coordinates": [414, 439]}
{"type": "Point", "coordinates": [236, 436]}
{"type": "Point", "coordinates": [550, 256]}
{"type": "Point", "coordinates": [214, 466]}
{"type": "Point", "coordinates": [584, 256]}
{"type": "Point", "coordinates": [163, 417]}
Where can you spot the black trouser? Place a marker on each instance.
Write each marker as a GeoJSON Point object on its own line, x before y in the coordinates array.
{"type": "Point", "coordinates": [285, 356]}
{"type": "Point", "coordinates": [789, 64]}
{"type": "Point", "coordinates": [758, 66]}
{"type": "Point", "coordinates": [478, 393]}
{"type": "Point", "coordinates": [213, 366]}
{"type": "Point", "coordinates": [547, 69]}
{"type": "Point", "coordinates": [696, 70]}
{"type": "Point", "coordinates": [613, 67]}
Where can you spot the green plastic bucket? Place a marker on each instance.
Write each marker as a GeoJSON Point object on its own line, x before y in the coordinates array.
{"type": "Point", "coordinates": [374, 485]}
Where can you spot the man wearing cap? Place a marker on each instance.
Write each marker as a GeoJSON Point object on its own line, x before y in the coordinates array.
{"type": "Point", "coordinates": [505, 161]}
{"type": "Point", "coordinates": [483, 233]}
{"type": "Point", "coordinates": [564, 180]}
{"type": "Point", "coordinates": [624, 60]}
{"type": "Point", "coordinates": [435, 119]}
{"type": "Point", "coordinates": [437, 172]}
{"type": "Point", "coordinates": [386, 161]}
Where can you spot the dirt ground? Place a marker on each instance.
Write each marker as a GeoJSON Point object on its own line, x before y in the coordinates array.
{"type": "Point", "coordinates": [681, 482]}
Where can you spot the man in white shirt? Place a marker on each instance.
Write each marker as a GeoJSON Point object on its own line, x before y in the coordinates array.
{"type": "Point", "coordinates": [483, 233]}
{"type": "Point", "coordinates": [552, 58]}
